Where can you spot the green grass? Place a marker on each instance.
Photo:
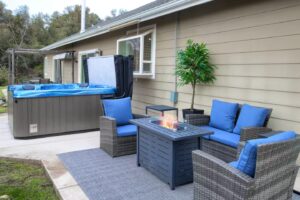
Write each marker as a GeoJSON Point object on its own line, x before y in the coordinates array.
{"type": "Point", "coordinates": [25, 181]}
{"type": "Point", "coordinates": [3, 109]}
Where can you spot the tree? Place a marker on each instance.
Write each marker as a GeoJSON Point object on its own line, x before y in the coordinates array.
{"type": "Point", "coordinates": [115, 13]}
{"type": "Point", "coordinates": [68, 23]}
{"type": "Point", "coordinates": [20, 30]}
{"type": "Point", "coordinates": [194, 67]}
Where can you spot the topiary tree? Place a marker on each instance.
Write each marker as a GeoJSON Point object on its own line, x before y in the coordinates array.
{"type": "Point", "coordinates": [193, 67]}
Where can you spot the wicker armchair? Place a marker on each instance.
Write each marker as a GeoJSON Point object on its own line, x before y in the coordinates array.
{"type": "Point", "coordinates": [222, 151]}
{"type": "Point", "coordinates": [111, 143]}
{"type": "Point", "coordinates": [274, 177]}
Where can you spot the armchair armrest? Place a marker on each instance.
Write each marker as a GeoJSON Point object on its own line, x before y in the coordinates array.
{"type": "Point", "coordinates": [108, 125]}
{"type": "Point", "coordinates": [249, 133]}
{"type": "Point", "coordinates": [197, 119]}
{"type": "Point", "coordinates": [213, 174]}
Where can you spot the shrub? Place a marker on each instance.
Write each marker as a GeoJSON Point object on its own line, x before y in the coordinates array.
{"type": "Point", "coordinates": [3, 76]}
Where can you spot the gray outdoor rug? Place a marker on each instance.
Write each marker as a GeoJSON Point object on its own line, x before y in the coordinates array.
{"type": "Point", "coordinates": [102, 177]}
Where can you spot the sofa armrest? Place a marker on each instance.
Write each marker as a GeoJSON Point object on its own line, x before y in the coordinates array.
{"type": "Point", "coordinates": [138, 116]}
{"type": "Point", "coordinates": [217, 176]}
{"type": "Point", "coordinates": [249, 133]}
{"type": "Point", "coordinates": [197, 119]}
{"type": "Point", "coordinates": [108, 126]}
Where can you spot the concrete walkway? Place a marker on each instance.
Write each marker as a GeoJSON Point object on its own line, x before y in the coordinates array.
{"type": "Point", "coordinates": [45, 149]}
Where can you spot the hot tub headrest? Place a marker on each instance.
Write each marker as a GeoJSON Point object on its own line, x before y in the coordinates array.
{"type": "Point", "coordinates": [28, 87]}
{"type": "Point", "coordinates": [83, 85]}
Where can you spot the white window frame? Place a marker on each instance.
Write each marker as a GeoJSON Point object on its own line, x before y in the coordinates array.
{"type": "Point", "coordinates": [79, 66]}
{"type": "Point", "coordinates": [140, 73]}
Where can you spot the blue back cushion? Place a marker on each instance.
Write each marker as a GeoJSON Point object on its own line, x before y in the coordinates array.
{"type": "Point", "coordinates": [120, 109]}
{"type": "Point", "coordinates": [250, 116]}
{"type": "Point", "coordinates": [28, 87]}
{"type": "Point", "coordinates": [223, 115]}
{"type": "Point", "coordinates": [247, 160]}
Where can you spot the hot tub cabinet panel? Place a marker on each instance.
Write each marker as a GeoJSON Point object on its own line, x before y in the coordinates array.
{"type": "Point", "coordinates": [50, 115]}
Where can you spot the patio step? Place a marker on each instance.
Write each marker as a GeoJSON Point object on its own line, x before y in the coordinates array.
{"type": "Point", "coordinates": [64, 183]}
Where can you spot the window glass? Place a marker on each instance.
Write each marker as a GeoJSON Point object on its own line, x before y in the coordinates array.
{"type": "Point", "coordinates": [147, 67]}
{"type": "Point", "coordinates": [148, 47]}
{"type": "Point", "coordinates": [142, 48]}
{"type": "Point", "coordinates": [131, 47]}
{"type": "Point", "coordinates": [84, 67]}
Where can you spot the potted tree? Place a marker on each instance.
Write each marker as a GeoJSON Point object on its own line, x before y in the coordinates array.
{"type": "Point", "coordinates": [193, 67]}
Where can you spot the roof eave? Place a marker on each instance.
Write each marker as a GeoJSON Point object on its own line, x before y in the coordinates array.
{"type": "Point", "coordinates": [159, 11]}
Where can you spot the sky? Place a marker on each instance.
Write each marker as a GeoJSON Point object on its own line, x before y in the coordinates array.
{"type": "Point", "coordinates": [100, 7]}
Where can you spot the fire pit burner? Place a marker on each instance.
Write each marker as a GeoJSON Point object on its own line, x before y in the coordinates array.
{"type": "Point", "coordinates": [172, 125]}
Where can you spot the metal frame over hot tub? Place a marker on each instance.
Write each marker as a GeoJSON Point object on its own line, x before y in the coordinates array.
{"type": "Point", "coordinates": [61, 113]}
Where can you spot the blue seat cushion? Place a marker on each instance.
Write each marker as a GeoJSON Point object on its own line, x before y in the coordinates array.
{"type": "Point", "coordinates": [247, 160]}
{"type": "Point", "coordinates": [251, 116]}
{"type": "Point", "coordinates": [126, 130]}
{"type": "Point", "coordinates": [223, 137]}
{"type": "Point", "coordinates": [120, 109]}
{"type": "Point", "coordinates": [223, 115]}
{"type": "Point", "coordinates": [233, 164]}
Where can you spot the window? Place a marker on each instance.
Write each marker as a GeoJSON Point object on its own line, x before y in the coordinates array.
{"type": "Point", "coordinates": [142, 47]}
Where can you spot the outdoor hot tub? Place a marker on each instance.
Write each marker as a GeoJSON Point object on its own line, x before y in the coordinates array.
{"type": "Point", "coordinates": [43, 109]}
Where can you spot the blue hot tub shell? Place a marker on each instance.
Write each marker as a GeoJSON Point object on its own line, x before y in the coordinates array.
{"type": "Point", "coordinates": [45, 109]}
{"type": "Point", "coordinates": [55, 90]}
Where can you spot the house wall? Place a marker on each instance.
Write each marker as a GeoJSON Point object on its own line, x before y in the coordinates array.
{"type": "Point", "coordinates": [255, 45]}
{"type": "Point", "coordinates": [67, 71]}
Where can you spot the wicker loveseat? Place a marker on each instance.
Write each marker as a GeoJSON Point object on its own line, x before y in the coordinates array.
{"type": "Point", "coordinates": [273, 178]}
{"type": "Point", "coordinates": [225, 148]}
{"type": "Point", "coordinates": [117, 136]}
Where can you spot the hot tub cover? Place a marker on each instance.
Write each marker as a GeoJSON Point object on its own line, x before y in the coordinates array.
{"type": "Point", "coordinates": [53, 90]}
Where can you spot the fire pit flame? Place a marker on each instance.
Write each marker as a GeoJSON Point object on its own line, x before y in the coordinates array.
{"type": "Point", "coordinates": [169, 122]}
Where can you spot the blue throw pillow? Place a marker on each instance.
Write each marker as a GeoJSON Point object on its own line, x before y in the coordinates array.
{"type": "Point", "coordinates": [223, 115]}
{"type": "Point", "coordinates": [120, 109]}
{"type": "Point", "coordinates": [247, 160]}
{"type": "Point", "coordinates": [250, 116]}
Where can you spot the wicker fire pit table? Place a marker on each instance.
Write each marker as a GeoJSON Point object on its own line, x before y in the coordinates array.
{"type": "Point", "coordinates": [167, 152]}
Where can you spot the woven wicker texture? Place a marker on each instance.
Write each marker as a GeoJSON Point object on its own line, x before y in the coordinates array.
{"type": "Point", "coordinates": [274, 176]}
{"type": "Point", "coordinates": [222, 151]}
{"type": "Point", "coordinates": [110, 142]}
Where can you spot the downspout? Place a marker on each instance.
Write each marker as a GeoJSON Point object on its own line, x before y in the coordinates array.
{"type": "Point", "coordinates": [176, 49]}
{"type": "Point", "coordinates": [137, 33]}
